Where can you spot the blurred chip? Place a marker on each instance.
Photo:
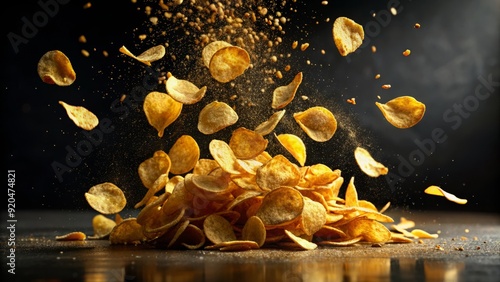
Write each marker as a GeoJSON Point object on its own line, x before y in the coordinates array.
{"type": "Point", "coordinates": [106, 198]}
{"type": "Point", "coordinates": [268, 126]}
{"type": "Point", "coordinates": [152, 54]}
{"type": "Point", "coordinates": [127, 232]}
{"type": "Point", "coordinates": [184, 154]}
{"type": "Point", "coordinates": [72, 236]}
{"type": "Point", "coordinates": [347, 35]}
{"type": "Point", "coordinates": [317, 122]}
{"type": "Point", "coordinates": [82, 117]}
{"type": "Point", "coordinates": [210, 49]}
{"type": "Point", "coordinates": [215, 117]}
{"type": "Point", "coordinates": [246, 143]}
{"type": "Point", "coordinates": [55, 68]}
{"type": "Point", "coordinates": [102, 226]}
{"type": "Point", "coordinates": [161, 110]}
{"type": "Point", "coordinates": [184, 91]}
{"type": "Point", "coordinates": [402, 112]}
{"type": "Point", "coordinates": [367, 164]}
{"type": "Point", "coordinates": [435, 190]}
{"type": "Point", "coordinates": [228, 63]}
{"type": "Point", "coordinates": [283, 95]}
{"type": "Point", "coordinates": [280, 207]}
{"type": "Point", "coordinates": [421, 234]}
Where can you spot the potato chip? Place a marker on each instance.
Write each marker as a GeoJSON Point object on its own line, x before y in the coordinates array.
{"type": "Point", "coordinates": [351, 195]}
{"type": "Point", "coordinates": [302, 243]}
{"type": "Point", "coordinates": [347, 35]}
{"type": "Point", "coordinates": [269, 125]}
{"type": "Point", "coordinates": [281, 206]}
{"type": "Point", "coordinates": [246, 143]}
{"type": "Point", "coordinates": [215, 117]}
{"type": "Point", "coordinates": [102, 226]}
{"type": "Point", "coordinates": [254, 230]}
{"type": "Point", "coordinates": [277, 172]}
{"type": "Point", "coordinates": [184, 91]}
{"type": "Point", "coordinates": [367, 164]}
{"type": "Point", "coordinates": [317, 122]}
{"type": "Point", "coordinates": [72, 236]}
{"type": "Point", "coordinates": [55, 68]}
{"type": "Point", "coordinates": [283, 95]}
{"type": "Point", "coordinates": [399, 238]}
{"type": "Point", "coordinates": [402, 112]}
{"type": "Point", "coordinates": [218, 229]}
{"type": "Point", "coordinates": [294, 145]}
{"type": "Point", "coordinates": [151, 169]}
{"type": "Point", "coordinates": [192, 238]}
{"type": "Point", "coordinates": [222, 153]}
{"type": "Point", "coordinates": [228, 63]}
{"type": "Point", "coordinates": [106, 198]}
{"type": "Point", "coordinates": [82, 117]}
{"type": "Point", "coordinates": [421, 234]}
{"type": "Point", "coordinates": [371, 230]}
{"type": "Point", "coordinates": [151, 55]}
{"type": "Point", "coordinates": [179, 199]}
{"type": "Point", "coordinates": [127, 232]}
{"type": "Point", "coordinates": [435, 190]}
{"type": "Point", "coordinates": [159, 184]}
{"type": "Point", "coordinates": [205, 166]}
{"type": "Point", "coordinates": [313, 216]}
{"type": "Point", "coordinates": [405, 223]}
{"type": "Point", "coordinates": [210, 49]}
{"type": "Point", "coordinates": [161, 110]}
{"type": "Point", "coordinates": [341, 242]}
{"type": "Point", "coordinates": [234, 246]}
{"type": "Point", "coordinates": [184, 154]}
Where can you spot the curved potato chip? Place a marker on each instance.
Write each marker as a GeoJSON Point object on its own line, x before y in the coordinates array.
{"type": "Point", "coordinates": [151, 169]}
{"type": "Point", "coordinates": [281, 206]}
{"type": "Point", "coordinates": [72, 236]}
{"type": "Point", "coordinates": [269, 125]}
{"type": "Point", "coordinates": [254, 230]}
{"type": "Point", "coordinates": [277, 172]}
{"type": "Point", "coordinates": [161, 110]}
{"type": "Point", "coordinates": [246, 143]}
{"type": "Point", "coordinates": [184, 91]}
{"type": "Point", "coordinates": [347, 35]}
{"type": "Point", "coordinates": [351, 195]}
{"type": "Point", "coordinates": [228, 63]}
{"type": "Point", "coordinates": [224, 156]}
{"type": "Point", "coordinates": [421, 234]}
{"type": "Point", "coordinates": [283, 95]}
{"type": "Point", "coordinates": [218, 229]}
{"type": "Point", "coordinates": [192, 238]}
{"type": "Point", "coordinates": [313, 216]}
{"type": "Point", "coordinates": [435, 190]}
{"type": "Point", "coordinates": [152, 54]}
{"type": "Point", "coordinates": [106, 198]}
{"type": "Point", "coordinates": [369, 165]}
{"type": "Point", "coordinates": [55, 68]}
{"type": "Point", "coordinates": [317, 122]}
{"type": "Point", "coordinates": [102, 226]}
{"type": "Point", "coordinates": [294, 145]}
{"type": "Point", "coordinates": [159, 184]}
{"type": "Point", "coordinates": [371, 230]}
{"type": "Point", "coordinates": [82, 117]}
{"type": "Point", "coordinates": [216, 116]}
{"type": "Point", "coordinates": [301, 242]}
{"type": "Point", "coordinates": [210, 49]}
{"type": "Point", "coordinates": [127, 232]}
{"type": "Point", "coordinates": [320, 174]}
{"type": "Point", "coordinates": [205, 166]}
{"type": "Point", "coordinates": [402, 112]}
{"type": "Point", "coordinates": [184, 154]}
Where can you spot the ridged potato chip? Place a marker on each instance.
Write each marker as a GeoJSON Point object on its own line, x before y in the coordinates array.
{"type": "Point", "coordinates": [435, 190]}
{"type": "Point", "coordinates": [228, 63]}
{"type": "Point", "coordinates": [369, 165]}
{"type": "Point", "coordinates": [161, 110]}
{"type": "Point", "coordinates": [283, 95]}
{"type": "Point", "coordinates": [402, 112]}
{"type": "Point", "coordinates": [184, 154]}
{"type": "Point", "coordinates": [246, 143]}
{"type": "Point", "coordinates": [294, 145]}
{"type": "Point", "coordinates": [82, 117]}
{"type": "Point", "coordinates": [215, 117]}
{"type": "Point", "coordinates": [106, 198]}
{"type": "Point", "coordinates": [152, 54]}
{"type": "Point", "coordinates": [184, 91]}
{"type": "Point", "coordinates": [347, 35]}
{"type": "Point", "coordinates": [317, 122]}
{"type": "Point", "coordinates": [54, 67]}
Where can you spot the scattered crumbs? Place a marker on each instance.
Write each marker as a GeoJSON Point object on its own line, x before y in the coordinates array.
{"type": "Point", "coordinates": [416, 26]}
{"type": "Point", "coordinates": [386, 86]}
{"type": "Point", "coordinates": [466, 230]}
{"type": "Point", "coordinates": [377, 76]}
{"type": "Point", "coordinates": [374, 48]}
{"type": "Point", "coordinates": [438, 248]}
{"type": "Point", "coordinates": [406, 52]}
{"type": "Point", "coordinates": [87, 5]}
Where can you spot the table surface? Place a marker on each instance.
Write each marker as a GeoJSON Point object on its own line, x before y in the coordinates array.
{"type": "Point", "coordinates": [470, 251]}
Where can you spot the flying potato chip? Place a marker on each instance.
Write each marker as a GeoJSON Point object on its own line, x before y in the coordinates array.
{"type": "Point", "coordinates": [102, 226]}
{"type": "Point", "coordinates": [215, 117]}
{"type": "Point", "coordinates": [402, 112]}
{"type": "Point", "coordinates": [106, 198]}
{"type": "Point", "coordinates": [184, 91]}
{"type": "Point", "coordinates": [82, 117]}
{"type": "Point", "coordinates": [161, 110]}
{"type": "Point", "coordinates": [246, 143]}
{"type": "Point", "coordinates": [72, 236]}
{"type": "Point", "coordinates": [367, 164]}
{"type": "Point", "coordinates": [281, 206]}
{"type": "Point", "coordinates": [218, 229]}
{"type": "Point", "coordinates": [228, 63]}
{"type": "Point", "coordinates": [210, 49]}
{"type": "Point", "coordinates": [435, 190]}
{"type": "Point", "coordinates": [254, 230]}
{"type": "Point", "coordinates": [347, 35]}
{"type": "Point", "coordinates": [294, 145]}
{"type": "Point", "coordinates": [184, 154]}
{"type": "Point", "coordinates": [283, 95]}
{"type": "Point", "coordinates": [317, 122]}
{"type": "Point", "coordinates": [127, 232]}
{"type": "Point", "coordinates": [152, 54]}
{"type": "Point", "coordinates": [277, 172]}
{"type": "Point", "coordinates": [269, 125]}
{"type": "Point", "coordinates": [151, 169]}
{"type": "Point", "coordinates": [55, 68]}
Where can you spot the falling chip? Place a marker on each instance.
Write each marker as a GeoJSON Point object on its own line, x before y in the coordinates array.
{"type": "Point", "coordinates": [347, 35]}
{"type": "Point", "coordinates": [82, 117]}
{"type": "Point", "coordinates": [367, 164]}
{"type": "Point", "coordinates": [152, 54]}
{"type": "Point", "coordinates": [402, 112]}
{"type": "Point", "coordinates": [55, 68]}
{"type": "Point", "coordinates": [435, 190]}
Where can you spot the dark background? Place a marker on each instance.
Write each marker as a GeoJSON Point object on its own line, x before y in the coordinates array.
{"type": "Point", "coordinates": [454, 50]}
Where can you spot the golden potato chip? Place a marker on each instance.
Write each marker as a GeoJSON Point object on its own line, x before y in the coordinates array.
{"type": "Point", "coordinates": [234, 246]}
{"type": "Point", "coordinates": [127, 232]}
{"type": "Point", "coordinates": [215, 117]}
{"type": "Point", "coordinates": [184, 91]}
{"type": "Point", "coordinates": [152, 54]}
{"type": "Point", "coordinates": [294, 145]}
{"type": "Point", "coordinates": [351, 195]}
{"type": "Point", "coordinates": [106, 198]}
{"type": "Point", "coordinates": [192, 238]}
{"type": "Point", "coordinates": [82, 117]}
{"type": "Point", "coordinates": [405, 223]}
{"type": "Point", "coordinates": [159, 184]}
{"type": "Point", "coordinates": [210, 49]}
{"type": "Point", "coordinates": [184, 154]}
{"type": "Point", "coordinates": [228, 63]}
{"type": "Point", "coordinates": [320, 174]}
{"type": "Point", "coordinates": [277, 172]}
{"type": "Point", "coordinates": [317, 122]}
{"type": "Point", "coordinates": [209, 186]}
{"type": "Point", "coordinates": [402, 112]}
{"type": "Point", "coordinates": [222, 153]}
{"type": "Point", "coordinates": [283, 95]}
{"type": "Point", "coordinates": [72, 236]}
{"type": "Point", "coordinates": [342, 242]}
{"type": "Point", "coordinates": [246, 143]}
{"type": "Point", "coordinates": [399, 238]}
{"type": "Point", "coordinates": [281, 206]}
{"type": "Point", "coordinates": [161, 110]}
{"type": "Point", "coordinates": [371, 230]}
{"type": "Point", "coordinates": [246, 181]}
{"type": "Point", "coordinates": [102, 226]}
{"type": "Point", "coordinates": [369, 165]}
{"type": "Point", "coordinates": [269, 125]}
{"type": "Point", "coordinates": [151, 169]}
{"type": "Point", "coordinates": [435, 190]}
{"type": "Point", "coordinates": [205, 166]}
{"type": "Point", "coordinates": [347, 35]}
{"type": "Point", "coordinates": [179, 199]}
{"type": "Point", "coordinates": [313, 216]}
{"type": "Point", "coordinates": [254, 230]}
{"type": "Point", "coordinates": [218, 229]}
{"type": "Point", "coordinates": [55, 68]}
{"type": "Point", "coordinates": [302, 243]}
{"type": "Point", "coordinates": [421, 234]}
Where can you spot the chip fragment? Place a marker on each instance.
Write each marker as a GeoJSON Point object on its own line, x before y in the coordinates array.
{"type": "Point", "coordinates": [347, 35]}
{"type": "Point", "coordinates": [161, 110]}
{"type": "Point", "coordinates": [82, 117]}
{"type": "Point", "coordinates": [369, 165]}
{"type": "Point", "coordinates": [283, 95]}
{"type": "Point", "coordinates": [215, 117]}
{"type": "Point", "coordinates": [152, 54]}
{"type": "Point", "coordinates": [402, 112]}
{"type": "Point", "coordinates": [54, 67]}
{"type": "Point", "coordinates": [106, 198]}
{"type": "Point", "coordinates": [435, 190]}
{"type": "Point", "coordinates": [317, 122]}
